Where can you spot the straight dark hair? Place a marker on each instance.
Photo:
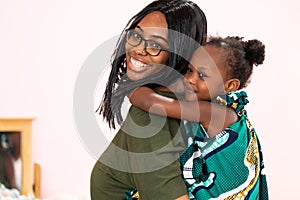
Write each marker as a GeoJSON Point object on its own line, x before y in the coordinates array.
{"type": "Point", "coordinates": [187, 30]}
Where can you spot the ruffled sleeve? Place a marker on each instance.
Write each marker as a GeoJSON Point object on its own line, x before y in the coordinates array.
{"type": "Point", "coordinates": [236, 100]}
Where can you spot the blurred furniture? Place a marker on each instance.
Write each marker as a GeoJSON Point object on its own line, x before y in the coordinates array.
{"type": "Point", "coordinates": [24, 126]}
{"type": "Point", "coordinates": [37, 180]}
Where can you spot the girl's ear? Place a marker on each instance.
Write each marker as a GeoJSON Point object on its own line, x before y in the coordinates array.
{"type": "Point", "coordinates": [232, 85]}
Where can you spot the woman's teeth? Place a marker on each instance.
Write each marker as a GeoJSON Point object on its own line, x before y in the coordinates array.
{"type": "Point", "coordinates": [138, 64]}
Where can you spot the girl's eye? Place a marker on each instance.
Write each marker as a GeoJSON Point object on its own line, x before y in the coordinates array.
{"type": "Point", "coordinates": [202, 75]}
{"type": "Point", "coordinates": [189, 70]}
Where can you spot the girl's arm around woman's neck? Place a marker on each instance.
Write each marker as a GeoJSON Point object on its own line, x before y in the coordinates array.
{"type": "Point", "coordinates": [214, 117]}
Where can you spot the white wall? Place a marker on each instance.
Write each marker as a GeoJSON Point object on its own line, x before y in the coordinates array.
{"type": "Point", "coordinates": [43, 45]}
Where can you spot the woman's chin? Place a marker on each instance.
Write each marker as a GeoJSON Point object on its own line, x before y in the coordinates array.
{"type": "Point", "coordinates": [133, 75]}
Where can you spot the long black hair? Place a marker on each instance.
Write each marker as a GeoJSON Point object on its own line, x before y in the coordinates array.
{"type": "Point", "coordinates": [187, 30]}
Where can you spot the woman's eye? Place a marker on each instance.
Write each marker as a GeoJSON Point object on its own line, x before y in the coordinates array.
{"type": "Point", "coordinates": [155, 45]}
{"type": "Point", "coordinates": [136, 36]}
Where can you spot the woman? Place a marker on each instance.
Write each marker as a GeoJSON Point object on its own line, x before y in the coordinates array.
{"type": "Point", "coordinates": [164, 33]}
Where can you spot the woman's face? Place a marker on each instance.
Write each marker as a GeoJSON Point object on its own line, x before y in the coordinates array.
{"type": "Point", "coordinates": [152, 31]}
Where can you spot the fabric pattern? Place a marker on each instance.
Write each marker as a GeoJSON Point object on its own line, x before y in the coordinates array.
{"type": "Point", "coordinates": [132, 195]}
{"type": "Point", "coordinates": [229, 165]}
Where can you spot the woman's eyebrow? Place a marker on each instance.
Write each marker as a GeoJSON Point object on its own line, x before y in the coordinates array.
{"type": "Point", "coordinates": [140, 28]}
{"type": "Point", "coordinates": [155, 36]}
{"type": "Point", "coordinates": [160, 37]}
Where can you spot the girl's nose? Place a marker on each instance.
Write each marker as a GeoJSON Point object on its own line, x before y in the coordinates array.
{"type": "Point", "coordinates": [190, 79]}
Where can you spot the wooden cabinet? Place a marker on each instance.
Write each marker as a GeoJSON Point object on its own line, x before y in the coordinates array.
{"type": "Point", "coordinates": [24, 126]}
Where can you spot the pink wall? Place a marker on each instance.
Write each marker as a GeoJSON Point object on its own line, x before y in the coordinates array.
{"type": "Point", "coordinates": [43, 45]}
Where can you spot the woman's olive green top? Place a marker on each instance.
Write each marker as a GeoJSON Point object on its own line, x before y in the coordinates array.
{"type": "Point", "coordinates": [144, 156]}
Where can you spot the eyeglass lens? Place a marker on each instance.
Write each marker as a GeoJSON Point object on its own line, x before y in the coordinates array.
{"type": "Point", "coordinates": [135, 39]}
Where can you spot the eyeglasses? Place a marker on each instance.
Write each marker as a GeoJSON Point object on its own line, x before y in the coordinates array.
{"type": "Point", "coordinates": [152, 48]}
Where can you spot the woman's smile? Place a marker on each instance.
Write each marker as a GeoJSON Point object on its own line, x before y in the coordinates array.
{"type": "Point", "coordinates": [137, 65]}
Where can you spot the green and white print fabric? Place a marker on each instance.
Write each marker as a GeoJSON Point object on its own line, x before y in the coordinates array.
{"type": "Point", "coordinates": [229, 165]}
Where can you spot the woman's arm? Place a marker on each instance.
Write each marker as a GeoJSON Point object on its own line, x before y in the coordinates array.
{"type": "Point", "coordinates": [214, 117]}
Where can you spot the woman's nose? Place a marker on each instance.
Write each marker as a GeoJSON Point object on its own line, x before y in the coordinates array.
{"type": "Point", "coordinates": [141, 49]}
{"type": "Point", "coordinates": [141, 52]}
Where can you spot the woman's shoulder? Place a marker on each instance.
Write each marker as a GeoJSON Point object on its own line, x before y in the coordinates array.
{"type": "Point", "coordinates": [170, 94]}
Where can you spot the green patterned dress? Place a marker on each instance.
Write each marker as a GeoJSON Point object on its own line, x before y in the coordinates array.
{"type": "Point", "coordinates": [229, 165]}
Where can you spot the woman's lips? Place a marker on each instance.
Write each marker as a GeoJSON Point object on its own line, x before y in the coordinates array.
{"type": "Point", "coordinates": [136, 65]}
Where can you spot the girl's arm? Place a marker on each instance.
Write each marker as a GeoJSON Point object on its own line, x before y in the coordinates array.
{"type": "Point", "coordinates": [214, 118]}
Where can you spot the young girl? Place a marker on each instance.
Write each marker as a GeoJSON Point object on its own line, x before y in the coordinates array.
{"type": "Point", "coordinates": [162, 34]}
{"type": "Point", "coordinates": [224, 158]}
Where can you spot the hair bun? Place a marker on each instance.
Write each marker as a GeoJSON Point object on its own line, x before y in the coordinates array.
{"type": "Point", "coordinates": [255, 52]}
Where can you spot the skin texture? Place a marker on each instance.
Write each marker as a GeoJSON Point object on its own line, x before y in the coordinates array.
{"type": "Point", "coordinates": [206, 78]}
{"type": "Point", "coordinates": [139, 63]}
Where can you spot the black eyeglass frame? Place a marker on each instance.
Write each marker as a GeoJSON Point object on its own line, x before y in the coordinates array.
{"type": "Point", "coordinates": [130, 32]}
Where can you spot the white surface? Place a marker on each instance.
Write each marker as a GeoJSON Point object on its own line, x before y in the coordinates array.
{"type": "Point", "coordinates": [44, 43]}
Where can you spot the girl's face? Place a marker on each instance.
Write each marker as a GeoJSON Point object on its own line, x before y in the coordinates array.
{"type": "Point", "coordinates": [206, 75]}
{"type": "Point", "coordinates": [152, 32]}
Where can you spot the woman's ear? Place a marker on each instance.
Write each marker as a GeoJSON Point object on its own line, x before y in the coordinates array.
{"type": "Point", "coordinates": [232, 85]}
